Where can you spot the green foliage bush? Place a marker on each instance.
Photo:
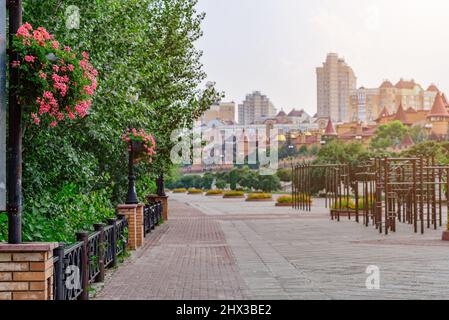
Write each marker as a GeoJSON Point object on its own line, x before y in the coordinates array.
{"type": "Point", "coordinates": [244, 177]}
{"type": "Point", "coordinates": [285, 199]}
{"type": "Point", "coordinates": [259, 196]}
{"type": "Point", "coordinates": [351, 203]}
{"type": "Point", "coordinates": [195, 191]}
{"type": "Point", "coordinates": [233, 194]}
{"type": "Point", "coordinates": [285, 175]}
{"type": "Point", "coordinates": [214, 192]}
{"type": "Point", "coordinates": [58, 216]}
{"type": "Point", "coordinates": [149, 77]}
{"type": "Point", "coordinates": [221, 184]}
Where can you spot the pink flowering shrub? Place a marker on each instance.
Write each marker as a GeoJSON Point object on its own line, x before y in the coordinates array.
{"type": "Point", "coordinates": [148, 142]}
{"type": "Point", "coordinates": [56, 84]}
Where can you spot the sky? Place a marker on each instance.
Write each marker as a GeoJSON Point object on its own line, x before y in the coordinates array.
{"type": "Point", "coordinates": [274, 46]}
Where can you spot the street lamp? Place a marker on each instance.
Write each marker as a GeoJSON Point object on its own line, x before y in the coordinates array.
{"type": "Point", "coordinates": [14, 182]}
{"type": "Point", "coordinates": [131, 197]}
{"type": "Point", "coordinates": [290, 150]}
{"type": "Point", "coordinates": [160, 185]}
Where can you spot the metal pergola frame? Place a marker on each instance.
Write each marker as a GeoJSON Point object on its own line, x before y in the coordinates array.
{"type": "Point", "coordinates": [384, 191]}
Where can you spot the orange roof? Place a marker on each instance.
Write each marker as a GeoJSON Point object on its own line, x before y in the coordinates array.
{"type": "Point", "coordinates": [351, 135]}
{"type": "Point", "coordinates": [433, 88]}
{"type": "Point", "coordinates": [330, 130]}
{"type": "Point", "coordinates": [386, 84]}
{"type": "Point", "coordinates": [402, 84]}
{"type": "Point", "coordinates": [383, 113]}
{"type": "Point", "coordinates": [296, 113]}
{"type": "Point", "coordinates": [281, 114]}
{"type": "Point", "coordinates": [444, 99]}
{"type": "Point", "coordinates": [401, 115]}
{"type": "Point", "coordinates": [439, 108]}
{"type": "Point", "coordinates": [410, 110]}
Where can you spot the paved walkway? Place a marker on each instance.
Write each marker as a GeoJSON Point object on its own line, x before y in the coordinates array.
{"type": "Point", "coordinates": [230, 249]}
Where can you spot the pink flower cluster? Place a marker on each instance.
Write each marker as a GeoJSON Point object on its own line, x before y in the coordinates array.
{"type": "Point", "coordinates": [40, 34]}
{"type": "Point", "coordinates": [61, 83]}
{"type": "Point", "coordinates": [64, 86]}
{"type": "Point", "coordinates": [140, 135]}
{"type": "Point", "coordinates": [48, 105]}
{"type": "Point", "coordinates": [89, 73]}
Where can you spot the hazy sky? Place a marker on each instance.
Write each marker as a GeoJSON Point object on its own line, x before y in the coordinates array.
{"type": "Point", "coordinates": [275, 45]}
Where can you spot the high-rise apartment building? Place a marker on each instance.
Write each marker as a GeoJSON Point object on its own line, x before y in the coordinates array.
{"type": "Point", "coordinates": [335, 81]}
{"type": "Point", "coordinates": [255, 107]}
{"type": "Point", "coordinates": [366, 104]}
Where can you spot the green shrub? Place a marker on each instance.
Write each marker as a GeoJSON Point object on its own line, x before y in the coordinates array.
{"type": "Point", "coordinates": [259, 196]}
{"type": "Point", "coordinates": [195, 191]}
{"type": "Point", "coordinates": [145, 186]}
{"type": "Point", "coordinates": [220, 184]}
{"type": "Point", "coordinates": [285, 175]}
{"type": "Point", "coordinates": [214, 192]}
{"type": "Point", "coordinates": [285, 199]}
{"type": "Point", "coordinates": [234, 193]}
{"type": "Point", "coordinates": [351, 204]}
{"type": "Point", "coordinates": [345, 203]}
{"type": "Point", "coordinates": [304, 198]}
{"type": "Point", "coordinates": [56, 217]}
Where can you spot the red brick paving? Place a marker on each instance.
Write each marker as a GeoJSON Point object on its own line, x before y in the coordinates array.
{"type": "Point", "coordinates": [186, 258]}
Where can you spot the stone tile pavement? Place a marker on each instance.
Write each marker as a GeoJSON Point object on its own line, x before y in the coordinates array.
{"type": "Point", "coordinates": [213, 248]}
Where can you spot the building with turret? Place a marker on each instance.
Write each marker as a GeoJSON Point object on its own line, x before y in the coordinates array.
{"type": "Point", "coordinates": [367, 104]}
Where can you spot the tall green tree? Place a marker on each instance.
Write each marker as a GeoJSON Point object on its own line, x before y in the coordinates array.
{"type": "Point", "coordinates": [388, 135]}
{"type": "Point", "coordinates": [150, 77]}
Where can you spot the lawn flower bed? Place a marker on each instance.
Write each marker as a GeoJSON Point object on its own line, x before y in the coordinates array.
{"type": "Point", "coordinates": [195, 191]}
{"type": "Point", "coordinates": [259, 197]}
{"type": "Point", "coordinates": [180, 190]}
{"type": "Point", "coordinates": [303, 198]}
{"type": "Point", "coordinates": [284, 201]}
{"type": "Point", "coordinates": [347, 207]}
{"type": "Point", "coordinates": [214, 193]}
{"type": "Point", "coordinates": [234, 195]}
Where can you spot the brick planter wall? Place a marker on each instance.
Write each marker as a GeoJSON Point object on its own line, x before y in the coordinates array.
{"type": "Point", "coordinates": [134, 216]}
{"type": "Point", "coordinates": [445, 236]}
{"type": "Point", "coordinates": [26, 271]}
{"type": "Point", "coordinates": [164, 200]}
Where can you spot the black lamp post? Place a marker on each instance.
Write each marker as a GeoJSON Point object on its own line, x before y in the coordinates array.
{"type": "Point", "coordinates": [160, 185]}
{"type": "Point", "coordinates": [14, 181]}
{"type": "Point", "coordinates": [131, 198]}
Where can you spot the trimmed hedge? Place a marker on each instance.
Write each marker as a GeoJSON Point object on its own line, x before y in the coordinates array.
{"type": "Point", "coordinates": [259, 196]}
{"type": "Point", "coordinates": [214, 193]}
{"type": "Point", "coordinates": [285, 199]}
{"type": "Point", "coordinates": [195, 191]}
{"type": "Point", "coordinates": [234, 194]}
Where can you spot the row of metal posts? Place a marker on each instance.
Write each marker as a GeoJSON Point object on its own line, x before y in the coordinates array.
{"type": "Point", "coordinates": [384, 190]}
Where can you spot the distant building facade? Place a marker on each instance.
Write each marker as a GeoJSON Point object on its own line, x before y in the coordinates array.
{"type": "Point", "coordinates": [335, 81]}
{"type": "Point", "coordinates": [224, 111]}
{"type": "Point", "coordinates": [367, 104]}
{"type": "Point", "coordinates": [255, 108]}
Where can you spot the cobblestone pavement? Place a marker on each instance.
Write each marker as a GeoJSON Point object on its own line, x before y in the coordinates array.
{"type": "Point", "coordinates": [213, 248]}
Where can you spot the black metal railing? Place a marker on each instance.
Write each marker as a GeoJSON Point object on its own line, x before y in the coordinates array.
{"type": "Point", "coordinates": [84, 262]}
{"type": "Point", "coordinates": [152, 216]}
